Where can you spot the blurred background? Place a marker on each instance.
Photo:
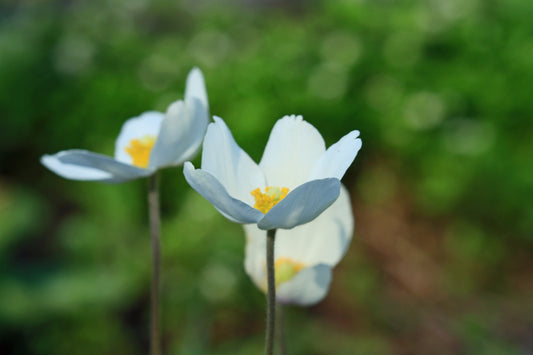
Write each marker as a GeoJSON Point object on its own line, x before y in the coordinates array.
{"type": "Point", "coordinates": [441, 260]}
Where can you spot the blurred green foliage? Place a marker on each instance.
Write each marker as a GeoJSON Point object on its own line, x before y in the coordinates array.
{"type": "Point", "coordinates": [440, 90]}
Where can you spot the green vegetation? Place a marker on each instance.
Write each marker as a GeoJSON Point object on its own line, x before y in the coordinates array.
{"type": "Point", "coordinates": [442, 189]}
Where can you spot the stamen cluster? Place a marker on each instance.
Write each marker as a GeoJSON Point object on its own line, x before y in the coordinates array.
{"type": "Point", "coordinates": [265, 201]}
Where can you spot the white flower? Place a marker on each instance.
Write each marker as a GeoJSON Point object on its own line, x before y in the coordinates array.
{"type": "Point", "coordinates": [299, 177]}
{"type": "Point", "coordinates": [146, 143]}
{"type": "Point", "coordinates": [304, 256]}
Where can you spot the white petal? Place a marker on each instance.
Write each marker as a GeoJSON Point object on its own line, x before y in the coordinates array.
{"type": "Point", "coordinates": [210, 188]}
{"type": "Point", "coordinates": [84, 165]}
{"type": "Point", "coordinates": [148, 123]}
{"type": "Point", "coordinates": [323, 240]}
{"type": "Point", "coordinates": [336, 160]}
{"type": "Point", "coordinates": [181, 134]}
{"type": "Point", "coordinates": [195, 87]}
{"type": "Point", "coordinates": [293, 148]}
{"type": "Point", "coordinates": [308, 287]}
{"type": "Point", "coordinates": [73, 172]}
{"type": "Point", "coordinates": [225, 160]}
{"type": "Point", "coordinates": [302, 204]}
{"type": "Point", "coordinates": [255, 254]}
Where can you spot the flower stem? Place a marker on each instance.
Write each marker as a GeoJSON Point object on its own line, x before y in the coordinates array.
{"type": "Point", "coordinates": [153, 203]}
{"type": "Point", "coordinates": [271, 293]}
{"type": "Point", "coordinates": [282, 339]}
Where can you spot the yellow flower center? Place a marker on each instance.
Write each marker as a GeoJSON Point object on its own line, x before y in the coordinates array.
{"type": "Point", "coordinates": [286, 269]}
{"type": "Point", "coordinates": [265, 201]}
{"type": "Point", "coordinates": [140, 149]}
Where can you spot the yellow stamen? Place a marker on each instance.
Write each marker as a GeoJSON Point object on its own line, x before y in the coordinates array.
{"type": "Point", "coordinates": [140, 149]}
{"type": "Point", "coordinates": [286, 269]}
{"type": "Point", "coordinates": [265, 201]}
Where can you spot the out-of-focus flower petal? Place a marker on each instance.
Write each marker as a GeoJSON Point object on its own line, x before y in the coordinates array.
{"type": "Point", "coordinates": [73, 172]}
{"type": "Point", "coordinates": [195, 87]}
{"type": "Point", "coordinates": [336, 160]}
{"type": "Point", "coordinates": [293, 148]}
{"type": "Point", "coordinates": [71, 164]}
{"type": "Point", "coordinates": [145, 143]}
{"type": "Point", "coordinates": [323, 240]}
{"type": "Point", "coordinates": [181, 134]}
{"type": "Point", "coordinates": [306, 288]}
{"type": "Point", "coordinates": [212, 190]}
{"type": "Point", "coordinates": [255, 254]}
{"type": "Point", "coordinates": [232, 167]}
{"type": "Point", "coordinates": [147, 124]}
{"type": "Point", "coordinates": [302, 205]}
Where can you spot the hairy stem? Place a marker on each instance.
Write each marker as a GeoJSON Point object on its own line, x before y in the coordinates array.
{"type": "Point", "coordinates": [271, 293]}
{"type": "Point", "coordinates": [153, 203]}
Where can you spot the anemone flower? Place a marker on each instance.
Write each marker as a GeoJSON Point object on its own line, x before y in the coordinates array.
{"type": "Point", "coordinates": [304, 255]}
{"type": "Point", "coordinates": [145, 143]}
{"type": "Point", "coordinates": [295, 181]}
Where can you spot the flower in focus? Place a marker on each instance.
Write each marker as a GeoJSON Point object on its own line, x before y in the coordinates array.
{"type": "Point", "coordinates": [146, 143]}
{"type": "Point", "coordinates": [295, 181]}
{"type": "Point", "coordinates": [304, 255]}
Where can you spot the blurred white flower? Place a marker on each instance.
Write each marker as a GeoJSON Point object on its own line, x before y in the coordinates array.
{"type": "Point", "coordinates": [295, 181]}
{"type": "Point", "coordinates": [146, 143]}
{"type": "Point", "coordinates": [304, 256]}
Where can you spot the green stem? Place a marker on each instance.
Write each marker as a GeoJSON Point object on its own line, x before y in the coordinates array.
{"type": "Point", "coordinates": [282, 338]}
{"type": "Point", "coordinates": [153, 203]}
{"type": "Point", "coordinates": [271, 293]}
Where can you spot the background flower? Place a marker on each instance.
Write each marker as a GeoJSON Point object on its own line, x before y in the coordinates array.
{"type": "Point", "coordinates": [146, 143]}
{"type": "Point", "coordinates": [304, 256]}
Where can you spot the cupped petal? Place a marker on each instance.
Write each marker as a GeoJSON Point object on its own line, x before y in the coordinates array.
{"type": "Point", "coordinates": [302, 204]}
{"type": "Point", "coordinates": [73, 164]}
{"type": "Point", "coordinates": [232, 167]}
{"type": "Point", "coordinates": [307, 287]}
{"type": "Point", "coordinates": [336, 160]}
{"type": "Point", "coordinates": [323, 240]}
{"type": "Point", "coordinates": [212, 190]}
{"type": "Point", "coordinates": [195, 87]}
{"type": "Point", "coordinates": [181, 133]}
{"type": "Point", "coordinates": [147, 124]}
{"type": "Point", "coordinates": [293, 148]}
